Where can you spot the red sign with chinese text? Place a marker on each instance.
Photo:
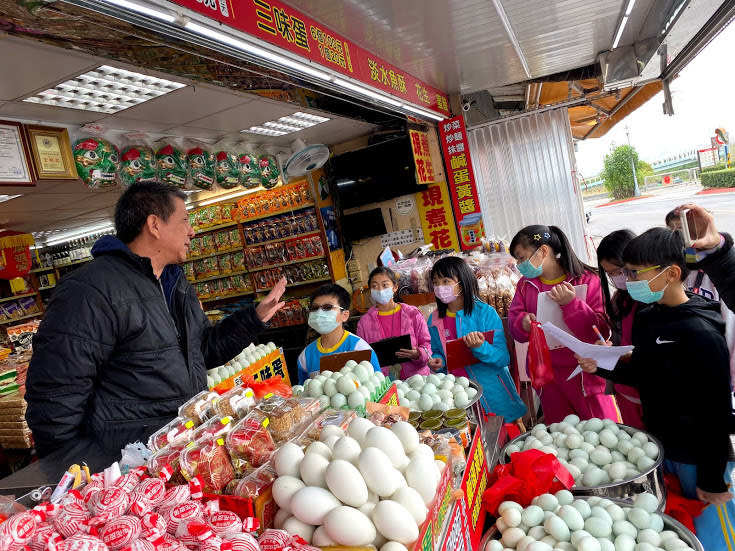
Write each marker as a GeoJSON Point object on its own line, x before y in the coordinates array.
{"type": "Point", "coordinates": [457, 537]}
{"type": "Point", "coordinates": [474, 483]}
{"type": "Point", "coordinates": [287, 28]}
{"type": "Point", "coordinates": [422, 157]}
{"type": "Point", "coordinates": [461, 181]}
{"type": "Point", "coordinates": [437, 221]}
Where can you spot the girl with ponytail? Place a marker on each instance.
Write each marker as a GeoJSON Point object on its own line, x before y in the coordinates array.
{"type": "Point", "coordinates": [548, 263]}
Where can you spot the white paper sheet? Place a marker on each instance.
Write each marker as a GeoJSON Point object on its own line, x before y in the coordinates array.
{"type": "Point", "coordinates": [548, 311]}
{"type": "Point", "coordinates": [606, 356]}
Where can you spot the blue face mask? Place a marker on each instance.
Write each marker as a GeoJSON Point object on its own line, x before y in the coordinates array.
{"type": "Point", "coordinates": [382, 296]}
{"type": "Point", "coordinates": [324, 322]}
{"type": "Point", "coordinates": [641, 290]}
{"type": "Point", "coordinates": [529, 270]}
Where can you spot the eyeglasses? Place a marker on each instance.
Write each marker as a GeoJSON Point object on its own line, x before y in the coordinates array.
{"type": "Point", "coordinates": [325, 307]}
{"type": "Point", "coordinates": [633, 274]}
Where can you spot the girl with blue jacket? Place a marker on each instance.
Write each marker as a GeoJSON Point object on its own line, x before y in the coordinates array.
{"type": "Point", "coordinates": [461, 314]}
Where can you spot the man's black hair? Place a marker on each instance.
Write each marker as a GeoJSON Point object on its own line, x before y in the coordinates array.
{"type": "Point", "coordinates": [138, 202]}
{"type": "Point", "coordinates": [535, 236]}
{"type": "Point", "coordinates": [454, 267]}
{"type": "Point", "coordinates": [670, 216]}
{"type": "Point", "coordinates": [333, 290]}
{"type": "Point", "coordinates": [657, 246]}
{"type": "Point", "coordinates": [611, 249]}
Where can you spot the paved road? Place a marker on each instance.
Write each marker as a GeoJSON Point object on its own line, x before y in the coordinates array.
{"type": "Point", "coordinates": [641, 214]}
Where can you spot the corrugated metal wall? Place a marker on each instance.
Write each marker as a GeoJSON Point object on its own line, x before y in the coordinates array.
{"type": "Point", "coordinates": [526, 174]}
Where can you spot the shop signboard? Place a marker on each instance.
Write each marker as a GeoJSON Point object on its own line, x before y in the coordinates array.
{"type": "Point", "coordinates": [437, 220]}
{"type": "Point", "coordinates": [708, 157]}
{"type": "Point", "coordinates": [461, 179]}
{"type": "Point", "coordinates": [422, 157]}
{"type": "Point", "coordinates": [279, 24]}
{"type": "Point", "coordinates": [430, 531]}
{"type": "Point", "coordinates": [474, 483]}
{"type": "Point", "coordinates": [457, 536]}
{"type": "Point", "coordinates": [270, 366]}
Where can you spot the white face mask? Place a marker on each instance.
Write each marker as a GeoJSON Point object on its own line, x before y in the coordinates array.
{"type": "Point", "coordinates": [382, 296]}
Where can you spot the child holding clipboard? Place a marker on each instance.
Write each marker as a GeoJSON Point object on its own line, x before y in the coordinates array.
{"type": "Point", "coordinates": [461, 314]}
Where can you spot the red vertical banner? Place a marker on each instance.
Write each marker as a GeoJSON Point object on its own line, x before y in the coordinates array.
{"type": "Point", "coordinates": [461, 180]}
{"type": "Point", "coordinates": [474, 483]}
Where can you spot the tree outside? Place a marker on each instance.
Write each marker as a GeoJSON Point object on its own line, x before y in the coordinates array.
{"type": "Point", "coordinates": [618, 171]}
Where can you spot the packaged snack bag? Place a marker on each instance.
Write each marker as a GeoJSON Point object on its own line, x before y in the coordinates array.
{"type": "Point", "coordinates": [269, 171]}
{"type": "Point", "coordinates": [173, 166]}
{"type": "Point", "coordinates": [201, 168]}
{"type": "Point", "coordinates": [249, 170]}
{"type": "Point", "coordinates": [137, 164]}
{"type": "Point", "coordinates": [97, 162]}
{"type": "Point", "coordinates": [227, 169]}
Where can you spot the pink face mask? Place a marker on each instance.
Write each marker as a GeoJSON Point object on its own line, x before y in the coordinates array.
{"type": "Point", "coordinates": [445, 293]}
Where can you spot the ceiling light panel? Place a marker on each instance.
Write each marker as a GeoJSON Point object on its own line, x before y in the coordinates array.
{"type": "Point", "coordinates": [286, 125]}
{"type": "Point", "coordinates": [105, 90]}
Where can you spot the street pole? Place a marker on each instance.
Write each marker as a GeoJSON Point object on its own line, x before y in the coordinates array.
{"type": "Point", "coordinates": [637, 191]}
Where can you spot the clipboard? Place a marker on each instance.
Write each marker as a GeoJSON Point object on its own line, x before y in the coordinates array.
{"type": "Point", "coordinates": [459, 355]}
{"type": "Point", "coordinates": [548, 311]}
{"type": "Point", "coordinates": [335, 362]}
{"type": "Point", "coordinates": [386, 349]}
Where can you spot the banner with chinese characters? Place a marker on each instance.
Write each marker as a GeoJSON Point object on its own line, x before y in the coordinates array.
{"type": "Point", "coordinates": [422, 157]}
{"type": "Point", "coordinates": [437, 219]}
{"type": "Point", "coordinates": [270, 366]}
{"type": "Point", "coordinates": [474, 483]}
{"type": "Point", "coordinates": [281, 25]}
{"type": "Point", "coordinates": [461, 181]}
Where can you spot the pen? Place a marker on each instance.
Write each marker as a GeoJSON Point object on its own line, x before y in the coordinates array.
{"type": "Point", "coordinates": [599, 335]}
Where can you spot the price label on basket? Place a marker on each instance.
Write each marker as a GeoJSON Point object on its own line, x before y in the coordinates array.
{"type": "Point", "coordinates": [390, 397]}
{"type": "Point", "coordinates": [457, 537]}
{"type": "Point", "coordinates": [474, 483]}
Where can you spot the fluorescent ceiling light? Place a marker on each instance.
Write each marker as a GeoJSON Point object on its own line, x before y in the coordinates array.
{"type": "Point", "coordinates": [286, 125]}
{"type": "Point", "coordinates": [145, 10]}
{"type": "Point", "coordinates": [105, 90]}
{"type": "Point", "coordinates": [366, 92]}
{"type": "Point", "coordinates": [620, 32]}
{"type": "Point", "coordinates": [423, 112]}
{"type": "Point", "coordinates": [256, 50]}
{"type": "Point", "coordinates": [629, 9]}
{"type": "Point", "coordinates": [78, 234]}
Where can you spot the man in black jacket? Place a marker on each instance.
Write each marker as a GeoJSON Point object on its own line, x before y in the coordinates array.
{"type": "Point", "coordinates": [125, 341]}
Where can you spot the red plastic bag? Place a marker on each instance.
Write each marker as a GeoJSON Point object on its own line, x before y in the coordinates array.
{"type": "Point", "coordinates": [529, 474]}
{"type": "Point", "coordinates": [679, 507]}
{"type": "Point", "coordinates": [539, 358]}
{"type": "Point", "coordinates": [274, 385]}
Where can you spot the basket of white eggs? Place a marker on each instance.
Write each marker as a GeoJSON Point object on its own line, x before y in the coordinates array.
{"type": "Point", "coordinates": [604, 458]}
{"type": "Point", "coordinates": [564, 522]}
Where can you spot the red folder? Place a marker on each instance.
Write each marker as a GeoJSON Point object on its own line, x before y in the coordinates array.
{"type": "Point", "coordinates": [459, 355]}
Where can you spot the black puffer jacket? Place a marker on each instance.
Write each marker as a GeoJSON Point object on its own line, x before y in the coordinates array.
{"type": "Point", "coordinates": [113, 360]}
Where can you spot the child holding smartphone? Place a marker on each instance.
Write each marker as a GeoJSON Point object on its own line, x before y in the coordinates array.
{"type": "Point", "coordinates": [680, 366]}
{"type": "Point", "coordinates": [461, 314]}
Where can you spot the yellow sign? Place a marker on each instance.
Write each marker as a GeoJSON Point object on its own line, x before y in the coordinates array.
{"type": "Point", "coordinates": [422, 157]}
{"type": "Point", "coordinates": [270, 366]}
{"type": "Point", "coordinates": [437, 219]}
{"type": "Point", "coordinates": [50, 156]}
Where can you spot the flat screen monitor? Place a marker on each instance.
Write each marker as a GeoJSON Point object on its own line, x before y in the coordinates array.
{"type": "Point", "coordinates": [364, 224]}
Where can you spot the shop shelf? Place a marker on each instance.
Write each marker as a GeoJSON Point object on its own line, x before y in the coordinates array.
{"type": "Point", "coordinates": [295, 236]}
{"type": "Point", "coordinates": [271, 266]}
{"type": "Point", "coordinates": [215, 228]}
{"type": "Point", "coordinates": [74, 263]}
{"type": "Point", "coordinates": [202, 280]}
{"type": "Point", "coordinates": [309, 282]}
{"type": "Point", "coordinates": [38, 270]}
{"type": "Point", "coordinates": [223, 297]}
{"type": "Point", "coordinates": [218, 253]}
{"type": "Point", "coordinates": [15, 297]}
{"type": "Point", "coordinates": [46, 288]}
{"type": "Point", "coordinates": [29, 316]}
{"type": "Point", "coordinates": [276, 213]}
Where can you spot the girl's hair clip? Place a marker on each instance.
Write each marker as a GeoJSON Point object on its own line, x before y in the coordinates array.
{"type": "Point", "coordinates": [537, 237]}
{"type": "Point", "coordinates": [547, 235]}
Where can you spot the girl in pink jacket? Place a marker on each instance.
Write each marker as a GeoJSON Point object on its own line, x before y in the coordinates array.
{"type": "Point", "coordinates": [390, 319]}
{"type": "Point", "coordinates": [548, 263]}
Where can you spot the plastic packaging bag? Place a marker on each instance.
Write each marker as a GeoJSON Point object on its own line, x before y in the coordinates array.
{"type": "Point", "coordinates": [539, 358]}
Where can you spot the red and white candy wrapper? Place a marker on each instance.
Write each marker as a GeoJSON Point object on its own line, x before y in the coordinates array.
{"type": "Point", "coordinates": [185, 536]}
{"type": "Point", "coordinates": [225, 523]}
{"type": "Point", "coordinates": [153, 526]}
{"type": "Point", "coordinates": [169, 543]}
{"type": "Point", "coordinates": [274, 540]}
{"type": "Point", "coordinates": [176, 495]}
{"type": "Point", "coordinates": [49, 510]}
{"type": "Point", "coordinates": [128, 482]}
{"type": "Point", "coordinates": [92, 487]}
{"type": "Point", "coordinates": [240, 542]}
{"type": "Point", "coordinates": [250, 525]}
{"type": "Point", "coordinates": [211, 507]}
{"type": "Point", "coordinates": [121, 531]}
{"type": "Point", "coordinates": [205, 536]}
{"type": "Point", "coordinates": [189, 511]}
{"type": "Point", "coordinates": [139, 545]}
{"type": "Point", "coordinates": [71, 520]}
{"type": "Point", "coordinates": [82, 542]}
{"type": "Point", "coordinates": [18, 530]}
{"type": "Point", "coordinates": [147, 495]}
{"type": "Point", "coordinates": [41, 536]}
{"type": "Point", "coordinates": [196, 487]}
{"type": "Point", "coordinates": [73, 496]}
{"type": "Point", "coordinates": [112, 502]}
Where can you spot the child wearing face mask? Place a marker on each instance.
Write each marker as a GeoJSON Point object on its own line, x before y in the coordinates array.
{"type": "Point", "coordinates": [461, 314]}
{"type": "Point", "coordinates": [548, 263]}
{"type": "Point", "coordinates": [620, 309]}
{"type": "Point", "coordinates": [389, 319]}
{"type": "Point", "coordinates": [330, 308]}
{"type": "Point", "coordinates": [680, 366]}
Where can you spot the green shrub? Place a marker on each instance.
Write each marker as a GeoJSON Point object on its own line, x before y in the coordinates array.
{"type": "Point", "coordinates": [719, 178]}
{"type": "Point", "coordinates": [721, 166]}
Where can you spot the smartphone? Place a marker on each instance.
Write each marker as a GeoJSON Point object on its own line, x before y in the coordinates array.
{"type": "Point", "coordinates": [688, 227]}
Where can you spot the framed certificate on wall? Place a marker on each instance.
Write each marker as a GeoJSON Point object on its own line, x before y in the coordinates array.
{"type": "Point", "coordinates": [15, 157]}
{"type": "Point", "coordinates": [52, 155]}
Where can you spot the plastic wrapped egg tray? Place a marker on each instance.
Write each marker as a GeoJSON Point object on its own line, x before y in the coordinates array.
{"type": "Point", "coordinates": [599, 453]}
{"type": "Point", "coordinates": [565, 523]}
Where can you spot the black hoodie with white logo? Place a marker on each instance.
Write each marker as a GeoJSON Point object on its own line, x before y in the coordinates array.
{"type": "Point", "coordinates": [680, 365]}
